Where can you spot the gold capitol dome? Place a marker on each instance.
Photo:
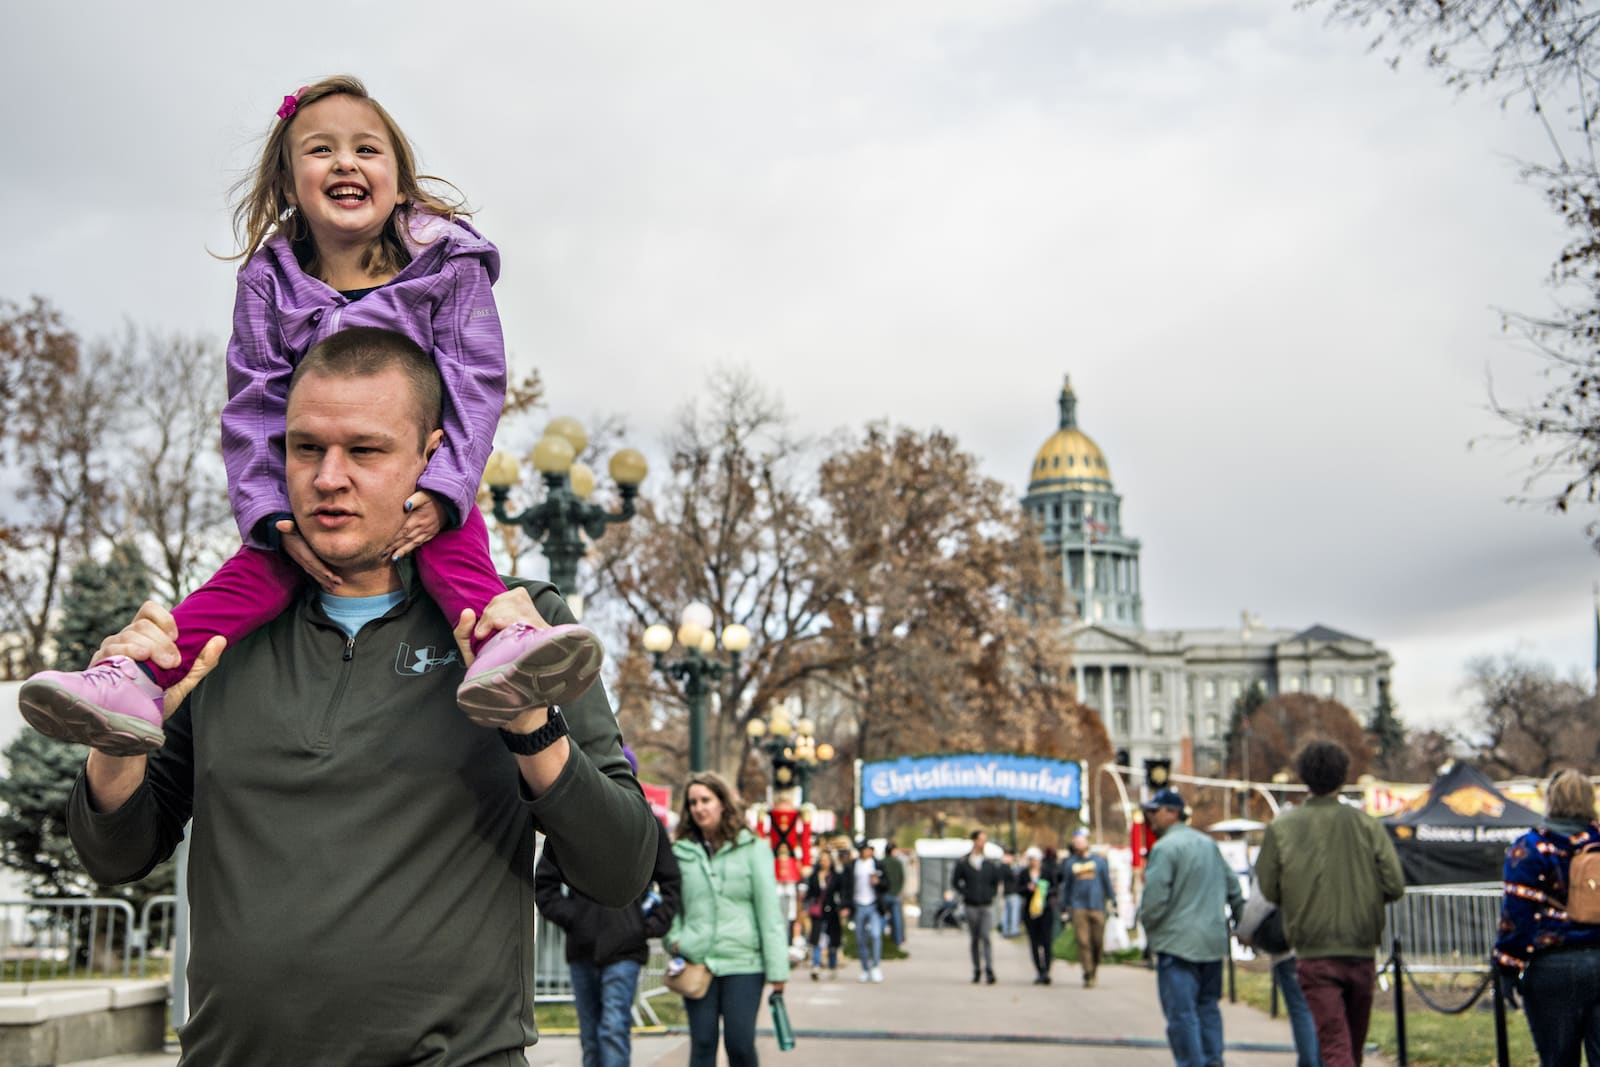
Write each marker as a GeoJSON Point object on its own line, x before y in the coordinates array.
{"type": "Point", "coordinates": [1069, 459]}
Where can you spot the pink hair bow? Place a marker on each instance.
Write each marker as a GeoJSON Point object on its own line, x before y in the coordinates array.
{"type": "Point", "coordinates": [291, 103]}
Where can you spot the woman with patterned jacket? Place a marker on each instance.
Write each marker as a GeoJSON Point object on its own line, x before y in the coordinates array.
{"type": "Point", "coordinates": [1555, 961]}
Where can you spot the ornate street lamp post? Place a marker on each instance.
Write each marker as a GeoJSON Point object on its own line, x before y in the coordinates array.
{"type": "Point", "coordinates": [558, 522]}
{"type": "Point", "coordinates": [791, 746]}
{"type": "Point", "coordinates": [695, 669]}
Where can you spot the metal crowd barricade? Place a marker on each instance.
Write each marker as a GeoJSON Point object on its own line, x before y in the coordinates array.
{"type": "Point", "coordinates": [1447, 929]}
{"type": "Point", "coordinates": [552, 981]}
{"type": "Point", "coordinates": [66, 938]}
{"type": "Point", "coordinates": [157, 933]}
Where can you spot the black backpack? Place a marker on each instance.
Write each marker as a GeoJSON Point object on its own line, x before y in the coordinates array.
{"type": "Point", "coordinates": [1270, 936]}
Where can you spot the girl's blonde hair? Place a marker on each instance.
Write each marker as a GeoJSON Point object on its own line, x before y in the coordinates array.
{"type": "Point", "coordinates": [1569, 795]}
{"type": "Point", "coordinates": [261, 198]}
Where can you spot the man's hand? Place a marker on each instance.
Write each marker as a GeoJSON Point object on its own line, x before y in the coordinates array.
{"type": "Point", "coordinates": [152, 637]}
{"type": "Point", "coordinates": [298, 550]}
{"type": "Point", "coordinates": [514, 605]}
{"type": "Point", "coordinates": [424, 520]}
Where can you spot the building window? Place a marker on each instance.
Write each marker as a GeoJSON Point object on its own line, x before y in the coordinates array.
{"type": "Point", "coordinates": [1120, 718]}
{"type": "Point", "coordinates": [1213, 726]}
{"type": "Point", "coordinates": [1325, 685]}
{"type": "Point", "coordinates": [1210, 688]}
{"type": "Point", "coordinates": [1155, 682]}
{"type": "Point", "coordinates": [1235, 688]}
{"type": "Point", "coordinates": [1119, 682]}
{"type": "Point", "coordinates": [1188, 689]}
{"type": "Point", "coordinates": [1292, 685]}
{"type": "Point", "coordinates": [1358, 685]}
{"type": "Point", "coordinates": [1158, 721]}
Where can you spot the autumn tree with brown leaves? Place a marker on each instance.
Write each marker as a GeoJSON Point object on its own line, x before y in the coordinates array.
{"type": "Point", "coordinates": [943, 614]}
{"type": "Point", "coordinates": [1529, 722]}
{"type": "Point", "coordinates": [1276, 729]}
{"type": "Point", "coordinates": [898, 591]}
{"type": "Point", "coordinates": [100, 447]}
{"type": "Point", "coordinates": [729, 524]}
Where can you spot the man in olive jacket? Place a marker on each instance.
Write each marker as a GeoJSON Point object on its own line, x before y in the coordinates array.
{"type": "Point", "coordinates": [1189, 891]}
{"type": "Point", "coordinates": [360, 864]}
{"type": "Point", "coordinates": [1331, 868]}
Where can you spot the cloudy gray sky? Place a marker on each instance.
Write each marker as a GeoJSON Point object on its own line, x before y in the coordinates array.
{"type": "Point", "coordinates": [1270, 263]}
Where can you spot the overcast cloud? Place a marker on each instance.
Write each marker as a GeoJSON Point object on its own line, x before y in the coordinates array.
{"type": "Point", "coordinates": [1270, 263]}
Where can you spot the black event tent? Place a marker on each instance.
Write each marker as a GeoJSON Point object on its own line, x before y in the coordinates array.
{"type": "Point", "coordinates": [1459, 831]}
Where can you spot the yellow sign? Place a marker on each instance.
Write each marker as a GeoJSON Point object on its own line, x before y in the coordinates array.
{"type": "Point", "coordinates": [1474, 800]}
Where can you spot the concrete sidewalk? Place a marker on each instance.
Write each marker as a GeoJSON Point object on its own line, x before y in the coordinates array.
{"type": "Point", "coordinates": [927, 1012]}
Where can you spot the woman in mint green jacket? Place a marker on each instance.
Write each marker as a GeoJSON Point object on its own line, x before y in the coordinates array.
{"type": "Point", "coordinates": [729, 920]}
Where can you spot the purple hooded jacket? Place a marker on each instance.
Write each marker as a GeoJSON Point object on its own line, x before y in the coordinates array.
{"type": "Point", "coordinates": [441, 300]}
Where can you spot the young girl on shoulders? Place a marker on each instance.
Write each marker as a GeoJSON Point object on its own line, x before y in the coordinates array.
{"type": "Point", "coordinates": [338, 230]}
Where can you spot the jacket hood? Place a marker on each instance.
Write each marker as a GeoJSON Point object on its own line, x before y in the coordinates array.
{"type": "Point", "coordinates": [431, 239]}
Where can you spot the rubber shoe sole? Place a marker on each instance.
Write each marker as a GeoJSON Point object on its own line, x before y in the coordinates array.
{"type": "Point", "coordinates": [555, 673]}
{"type": "Point", "coordinates": [56, 712]}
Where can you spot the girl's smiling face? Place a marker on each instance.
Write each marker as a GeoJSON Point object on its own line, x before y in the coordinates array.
{"type": "Point", "coordinates": [343, 164]}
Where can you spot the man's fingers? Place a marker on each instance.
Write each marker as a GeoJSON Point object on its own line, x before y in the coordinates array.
{"type": "Point", "coordinates": [514, 605]}
{"type": "Point", "coordinates": [463, 632]}
{"type": "Point", "coordinates": [203, 664]}
{"type": "Point", "coordinates": [151, 636]}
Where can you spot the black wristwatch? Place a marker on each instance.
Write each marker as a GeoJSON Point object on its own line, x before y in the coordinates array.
{"type": "Point", "coordinates": [541, 739]}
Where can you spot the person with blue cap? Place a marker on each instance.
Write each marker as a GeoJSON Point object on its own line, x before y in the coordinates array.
{"type": "Point", "coordinates": [1189, 894]}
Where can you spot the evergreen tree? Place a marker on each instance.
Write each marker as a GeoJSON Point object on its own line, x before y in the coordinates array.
{"type": "Point", "coordinates": [1239, 725]}
{"type": "Point", "coordinates": [33, 795]}
{"type": "Point", "coordinates": [100, 600]}
{"type": "Point", "coordinates": [1388, 732]}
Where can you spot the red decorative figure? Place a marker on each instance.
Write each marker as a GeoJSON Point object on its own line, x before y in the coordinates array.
{"type": "Point", "coordinates": [789, 832]}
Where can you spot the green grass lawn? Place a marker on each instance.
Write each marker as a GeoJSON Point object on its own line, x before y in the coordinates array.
{"type": "Point", "coordinates": [1432, 1039]}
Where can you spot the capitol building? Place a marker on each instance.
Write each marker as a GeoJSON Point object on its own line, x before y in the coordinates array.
{"type": "Point", "coordinates": [1167, 693]}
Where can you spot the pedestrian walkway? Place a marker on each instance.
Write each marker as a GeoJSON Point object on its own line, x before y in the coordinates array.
{"type": "Point", "coordinates": [926, 1012]}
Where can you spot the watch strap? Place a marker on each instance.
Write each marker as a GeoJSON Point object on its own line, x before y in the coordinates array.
{"type": "Point", "coordinates": [541, 739]}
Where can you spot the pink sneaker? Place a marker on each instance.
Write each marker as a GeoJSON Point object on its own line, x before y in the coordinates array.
{"type": "Point", "coordinates": [113, 706]}
{"type": "Point", "coordinates": [522, 667]}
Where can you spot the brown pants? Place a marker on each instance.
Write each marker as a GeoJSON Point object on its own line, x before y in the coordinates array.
{"type": "Point", "coordinates": [1090, 927]}
{"type": "Point", "coordinates": [1339, 994]}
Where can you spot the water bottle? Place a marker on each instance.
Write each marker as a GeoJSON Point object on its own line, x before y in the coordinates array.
{"type": "Point", "coordinates": [676, 965]}
{"type": "Point", "coordinates": [651, 899]}
{"type": "Point", "coordinates": [780, 1022]}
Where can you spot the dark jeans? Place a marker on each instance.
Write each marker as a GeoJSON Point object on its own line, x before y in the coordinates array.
{"type": "Point", "coordinates": [735, 999]}
{"type": "Point", "coordinates": [1301, 1024]}
{"type": "Point", "coordinates": [897, 920]}
{"type": "Point", "coordinates": [980, 924]}
{"type": "Point", "coordinates": [1041, 934]}
{"type": "Point", "coordinates": [1561, 997]}
{"type": "Point", "coordinates": [604, 999]}
{"type": "Point", "coordinates": [1339, 994]}
{"type": "Point", "coordinates": [1189, 992]}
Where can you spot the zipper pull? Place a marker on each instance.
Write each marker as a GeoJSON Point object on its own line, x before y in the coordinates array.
{"type": "Point", "coordinates": [349, 648]}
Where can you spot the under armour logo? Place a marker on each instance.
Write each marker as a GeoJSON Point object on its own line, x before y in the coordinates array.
{"type": "Point", "coordinates": [422, 660]}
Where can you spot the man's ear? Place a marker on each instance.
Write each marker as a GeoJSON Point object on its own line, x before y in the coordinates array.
{"type": "Point", "coordinates": [431, 445]}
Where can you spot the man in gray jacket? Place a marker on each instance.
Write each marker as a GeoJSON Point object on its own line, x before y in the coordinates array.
{"type": "Point", "coordinates": [1189, 892]}
{"type": "Point", "coordinates": [360, 870]}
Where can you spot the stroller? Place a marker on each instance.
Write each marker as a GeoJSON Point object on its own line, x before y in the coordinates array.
{"type": "Point", "coordinates": [951, 915]}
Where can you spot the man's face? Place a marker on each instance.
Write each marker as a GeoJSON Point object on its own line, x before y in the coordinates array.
{"type": "Point", "coordinates": [1163, 818]}
{"type": "Point", "coordinates": [979, 843]}
{"type": "Point", "coordinates": [352, 457]}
